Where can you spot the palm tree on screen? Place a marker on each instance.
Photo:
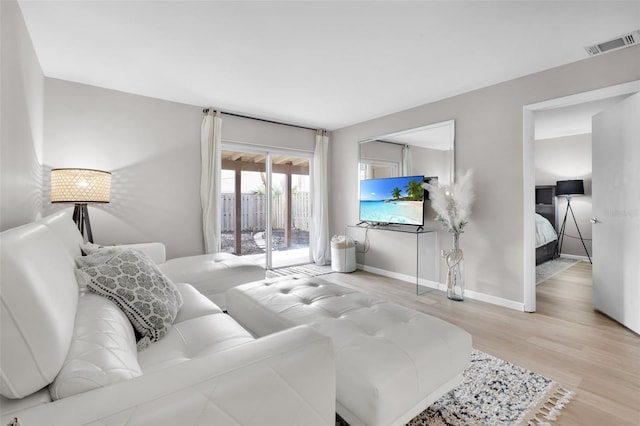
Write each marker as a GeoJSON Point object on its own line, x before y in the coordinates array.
{"type": "Point", "coordinates": [414, 190]}
{"type": "Point", "coordinates": [395, 193]}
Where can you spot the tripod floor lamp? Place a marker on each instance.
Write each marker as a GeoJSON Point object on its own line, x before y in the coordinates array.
{"type": "Point", "coordinates": [81, 186]}
{"type": "Point", "coordinates": [569, 188]}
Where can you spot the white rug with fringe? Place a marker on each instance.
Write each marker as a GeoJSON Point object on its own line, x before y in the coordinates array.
{"type": "Point", "coordinates": [495, 392]}
{"type": "Point", "coordinates": [308, 270]}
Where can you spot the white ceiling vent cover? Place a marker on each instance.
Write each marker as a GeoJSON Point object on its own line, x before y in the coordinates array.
{"type": "Point", "coordinates": [617, 43]}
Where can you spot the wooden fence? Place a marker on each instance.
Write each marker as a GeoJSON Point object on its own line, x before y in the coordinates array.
{"type": "Point", "coordinates": [253, 212]}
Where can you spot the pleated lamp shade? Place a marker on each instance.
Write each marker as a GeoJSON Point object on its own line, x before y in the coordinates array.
{"type": "Point", "coordinates": [80, 186]}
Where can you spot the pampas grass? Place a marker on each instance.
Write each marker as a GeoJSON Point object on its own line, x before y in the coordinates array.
{"type": "Point", "coordinates": [452, 203]}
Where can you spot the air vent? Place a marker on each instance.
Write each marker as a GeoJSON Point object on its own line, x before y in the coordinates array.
{"type": "Point", "coordinates": [617, 43]}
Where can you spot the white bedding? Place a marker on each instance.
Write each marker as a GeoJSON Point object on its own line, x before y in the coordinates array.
{"type": "Point", "coordinates": [545, 233]}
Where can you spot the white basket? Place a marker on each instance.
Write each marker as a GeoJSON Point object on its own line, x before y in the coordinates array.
{"type": "Point", "coordinates": [343, 254]}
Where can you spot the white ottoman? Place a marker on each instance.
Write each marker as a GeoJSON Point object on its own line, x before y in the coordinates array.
{"type": "Point", "coordinates": [391, 362]}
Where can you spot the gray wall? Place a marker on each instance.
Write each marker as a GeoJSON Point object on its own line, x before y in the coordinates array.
{"type": "Point", "coordinates": [21, 121]}
{"type": "Point", "coordinates": [152, 148]}
{"type": "Point", "coordinates": [564, 158]}
{"type": "Point", "coordinates": [488, 140]}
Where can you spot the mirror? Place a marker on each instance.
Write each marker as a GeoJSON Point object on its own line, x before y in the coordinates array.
{"type": "Point", "coordinates": [426, 150]}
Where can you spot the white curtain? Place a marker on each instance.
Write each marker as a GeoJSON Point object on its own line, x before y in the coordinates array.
{"type": "Point", "coordinates": [210, 141]}
{"type": "Point", "coordinates": [319, 238]}
{"type": "Point", "coordinates": [407, 161]}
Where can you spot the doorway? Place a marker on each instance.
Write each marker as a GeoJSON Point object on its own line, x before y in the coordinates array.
{"type": "Point", "coordinates": [266, 210]}
{"type": "Point", "coordinates": [529, 173]}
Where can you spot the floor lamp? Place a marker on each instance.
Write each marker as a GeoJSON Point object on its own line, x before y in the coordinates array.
{"type": "Point", "coordinates": [81, 186]}
{"type": "Point", "coordinates": [568, 188]}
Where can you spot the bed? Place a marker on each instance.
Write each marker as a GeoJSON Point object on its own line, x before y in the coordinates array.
{"type": "Point", "coordinates": [546, 240]}
{"type": "Point", "coordinates": [546, 235]}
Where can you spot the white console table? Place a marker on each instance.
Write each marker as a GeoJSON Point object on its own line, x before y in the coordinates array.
{"type": "Point", "coordinates": [400, 252]}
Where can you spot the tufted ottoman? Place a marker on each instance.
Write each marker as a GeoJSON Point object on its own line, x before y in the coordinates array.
{"type": "Point", "coordinates": [391, 362]}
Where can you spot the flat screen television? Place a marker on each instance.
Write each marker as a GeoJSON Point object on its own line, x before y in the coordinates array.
{"type": "Point", "coordinates": [397, 200]}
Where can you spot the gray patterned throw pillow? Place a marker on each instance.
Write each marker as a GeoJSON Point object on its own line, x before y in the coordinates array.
{"type": "Point", "coordinates": [133, 282]}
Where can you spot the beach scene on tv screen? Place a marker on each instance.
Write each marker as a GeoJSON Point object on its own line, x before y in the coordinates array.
{"type": "Point", "coordinates": [392, 200]}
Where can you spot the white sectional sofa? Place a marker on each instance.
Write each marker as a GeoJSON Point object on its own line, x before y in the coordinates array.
{"type": "Point", "coordinates": [211, 274]}
{"type": "Point", "coordinates": [69, 357]}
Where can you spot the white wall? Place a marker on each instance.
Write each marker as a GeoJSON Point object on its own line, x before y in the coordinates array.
{"type": "Point", "coordinates": [152, 148]}
{"type": "Point", "coordinates": [21, 121]}
{"type": "Point", "coordinates": [489, 141]}
{"type": "Point", "coordinates": [565, 158]}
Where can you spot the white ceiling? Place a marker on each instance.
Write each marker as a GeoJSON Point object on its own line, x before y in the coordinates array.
{"type": "Point", "coordinates": [314, 63]}
{"type": "Point", "coordinates": [570, 120]}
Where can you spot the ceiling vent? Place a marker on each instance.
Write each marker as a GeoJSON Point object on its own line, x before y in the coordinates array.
{"type": "Point", "coordinates": [617, 43]}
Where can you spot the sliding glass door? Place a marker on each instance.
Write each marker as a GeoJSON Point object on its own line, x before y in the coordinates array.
{"type": "Point", "coordinates": [266, 205]}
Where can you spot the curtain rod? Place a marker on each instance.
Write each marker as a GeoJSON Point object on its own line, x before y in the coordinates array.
{"type": "Point", "coordinates": [206, 110]}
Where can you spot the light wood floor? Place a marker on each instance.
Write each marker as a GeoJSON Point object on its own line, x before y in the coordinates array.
{"type": "Point", "coordinates": [566, 340]}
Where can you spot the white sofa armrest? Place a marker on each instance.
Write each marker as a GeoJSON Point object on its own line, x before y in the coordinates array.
{"type": "Point", "coordinates": [287, 378]}
{"type": "Point", "coordinates": [156, 251]}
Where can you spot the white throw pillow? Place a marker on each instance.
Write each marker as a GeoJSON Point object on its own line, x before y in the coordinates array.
{"type": "Point", "coordinates": [97, 256]}
{"type": "Point", "coordinates": [133, 282]}
{"type": "Point", "coordinates": [90, 248]}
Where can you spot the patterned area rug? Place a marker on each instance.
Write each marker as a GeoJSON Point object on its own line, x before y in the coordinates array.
{"type": "Point", "coordinates": [309, 270]}
{"type": "Point", "coordinates": [495, 392]}
{"type": "Point", "coordinates": [552, 267]}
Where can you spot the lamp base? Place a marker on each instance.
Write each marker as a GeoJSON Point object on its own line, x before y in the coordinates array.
{"type": "Point", "coordinates": [81, 218]}
{"type": "Point", "coordinates": [562, 231]}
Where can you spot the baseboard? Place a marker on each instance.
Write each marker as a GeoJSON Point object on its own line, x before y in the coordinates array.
{"type": "Point", "coordinates": [475, 295]}
{"type": "Point", "coordinates": [402, 277]}
{"type": "Point", "coordinates": [494, 300]}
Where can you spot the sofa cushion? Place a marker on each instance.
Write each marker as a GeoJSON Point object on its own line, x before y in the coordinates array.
{"type": "Point", "coordinates": [194, 338]}
{"type": "Point", "coordinates": [194, 304]}
{"type": "Point", "coordinates": [65, 229]}
{"type": "Point", "coordinates": [38, 301]}
{"type": "Point", "coordinates": [133, 282]}
{"type": "Point", "coordinates": [213, 274]}
{"type": "Point", "coordinates": [102, 351]}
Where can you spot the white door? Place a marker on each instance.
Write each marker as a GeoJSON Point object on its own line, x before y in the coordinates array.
{"type": "Point", "coordinates": [266, 204]}
{"type": "Point", "coordinates": [616, 212]}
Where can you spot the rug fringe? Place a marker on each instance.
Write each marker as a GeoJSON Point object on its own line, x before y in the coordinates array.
{"type": "Point", "coordinates": [549, 408]}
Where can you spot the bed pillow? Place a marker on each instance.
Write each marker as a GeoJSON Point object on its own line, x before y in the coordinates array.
{"type": "Point", "coordinates": [135, 284]}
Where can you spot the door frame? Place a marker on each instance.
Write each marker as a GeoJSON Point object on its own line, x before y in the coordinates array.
{"type": "Point", "coordinates": [269, 151]}
{"type": "Point", "coordinates": [528, 178]}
